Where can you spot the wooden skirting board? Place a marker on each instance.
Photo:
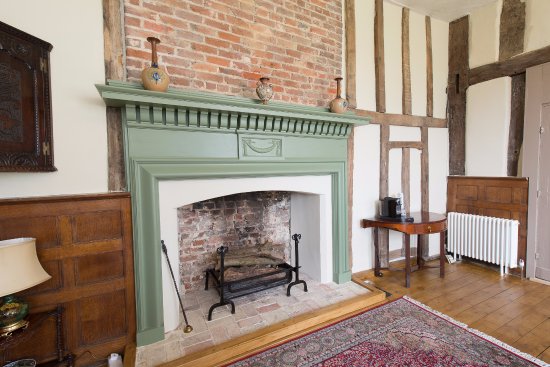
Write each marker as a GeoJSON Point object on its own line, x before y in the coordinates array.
{"type": "Point", "coordinates": [289, 329]}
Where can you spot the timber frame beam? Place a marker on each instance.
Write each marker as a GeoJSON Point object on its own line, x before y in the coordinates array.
{"type": "Point", "coordinates": [113, 38]}
{"type": "Point", "coordinates": [515, 65]}
{"type": "Point", "coordinates": [512, 63]}
{"type": "Point", "coordinates": [395, 119]}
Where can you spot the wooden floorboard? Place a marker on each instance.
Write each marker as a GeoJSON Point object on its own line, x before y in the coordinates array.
{"type": "Point", "coordinates": [508, 308]}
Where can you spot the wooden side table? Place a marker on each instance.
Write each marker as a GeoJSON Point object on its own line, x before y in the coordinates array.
{"type": "Point", "coordinates": [424, 223]}
{"type": "Point", "coordinates": [25, 335]}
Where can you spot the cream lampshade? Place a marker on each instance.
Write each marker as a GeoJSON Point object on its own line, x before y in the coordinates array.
{"type": "Point", "coordinates": [19, 270]}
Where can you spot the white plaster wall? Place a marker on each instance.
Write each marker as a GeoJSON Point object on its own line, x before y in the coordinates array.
{"type": "Point", "coordinates": [417, 44]}
{"type": "Point", "coordinates": [537, 25]}
{"type": "Point", "coordinates": [75, 29]}
{"type": "Point", "coordinates": [487, 123]}
{"type": "Point", "coordinates": [440, 61]}
{"type": "Point", "coordinates": [367, 138]}
{"type": "Point", "coordinates": [392, 57]}
{"type": "Point", "coordinates": [438, 146]}
{"type": "Point", "coordinates": [366, 173]}
{"type": "Point", "coordinates": [364, 48]}
{"type": "Point", "coordinates": [484, 34]}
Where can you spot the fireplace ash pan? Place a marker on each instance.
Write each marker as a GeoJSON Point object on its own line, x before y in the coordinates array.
{"type": "Point", "coordinates": [276, 275]}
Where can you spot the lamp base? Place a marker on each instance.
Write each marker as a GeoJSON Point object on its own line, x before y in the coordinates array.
{"type": "Point", "coordinates": [12, 314]}
{"type": "Point", "coordinates": [8, 329]}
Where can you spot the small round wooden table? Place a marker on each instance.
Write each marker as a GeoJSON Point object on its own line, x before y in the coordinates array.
{"type": "Point", "coordinates": [424, 223]}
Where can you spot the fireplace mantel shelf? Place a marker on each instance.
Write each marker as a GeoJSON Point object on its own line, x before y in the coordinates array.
{"type": "Point", "coordinates": [183, 109]}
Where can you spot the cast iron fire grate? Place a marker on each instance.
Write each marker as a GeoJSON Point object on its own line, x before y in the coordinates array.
{"type": "Point", "coordinates": [276, 275]}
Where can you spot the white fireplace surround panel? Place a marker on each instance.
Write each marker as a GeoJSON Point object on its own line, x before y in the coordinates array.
{"type": "Point", "coordinates": [311, 215]}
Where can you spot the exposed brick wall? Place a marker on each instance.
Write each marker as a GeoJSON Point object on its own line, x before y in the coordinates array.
{"type": "Point", "coordinates": [243, 220]}
{"type": "Point", "coordinates": [224, 46]}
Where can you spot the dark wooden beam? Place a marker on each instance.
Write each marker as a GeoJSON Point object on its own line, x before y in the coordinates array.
{"type": "Point", "coordinates": [402, 120]}
{"type": "Point", "coordinates": [379, 68]}
{"type": "Point", "coordinates": [515, 135]}
{"type": "Point", "coordinates": [113, 39]}
{"type": "Point", "coordinates": [515, 65]}
{"type": "Point", "coordinates": [383, 235]}
{"type": "Point", "coordinates": [429, 70]}
{"type": "Point", "coordinates": [405, 144]}
{"type": "Point", "coordinates": [350, 53]}
{"type": "Point", "coordinates": [456, 93]}
{"type": "Point", "coordinates": [512, 29]}
{"type": "Point", "coordinates": [405, 63]}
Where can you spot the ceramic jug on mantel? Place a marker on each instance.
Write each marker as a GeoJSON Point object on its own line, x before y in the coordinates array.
{"type": "Point", "coordinates": [264, 89]}
{"type": "Point", "coordinates": [152, 77]}
{"type": "Point", "coordinates": [338, 104]}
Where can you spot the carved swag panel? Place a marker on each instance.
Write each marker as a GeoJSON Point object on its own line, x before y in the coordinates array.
{"type": "Point", "coordinates": [25, 102]}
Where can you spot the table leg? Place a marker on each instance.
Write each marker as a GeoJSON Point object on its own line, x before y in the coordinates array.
{"type": "Point", "coordinates": [419, 260]}
{"type": "Point", "coordinates": [377, 271]}
{"type": "Point", "coordinates": [407, 260]}
{"type": "Point", "coordinates": [442, 254]}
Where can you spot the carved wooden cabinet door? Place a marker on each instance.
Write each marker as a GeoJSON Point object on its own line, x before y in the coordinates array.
{"type": "Point", "coordinates": [25, 102]}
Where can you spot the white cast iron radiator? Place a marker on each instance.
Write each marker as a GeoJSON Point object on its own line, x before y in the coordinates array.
{"type": "Point", "coordinates": [489, 239]}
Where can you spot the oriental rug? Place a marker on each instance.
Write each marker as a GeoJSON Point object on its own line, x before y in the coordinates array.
{"type": "Point", "coordinates": [400, 333]}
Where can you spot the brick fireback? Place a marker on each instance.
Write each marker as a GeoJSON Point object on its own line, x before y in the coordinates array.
{"type": "Point", "coordinates": [224, 46]}
{"type": "Point", "coordinates": [243, 220]}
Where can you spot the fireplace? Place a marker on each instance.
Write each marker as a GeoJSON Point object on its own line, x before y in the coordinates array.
{"type": "Point", "coordinates": [180, 136]}
{"type": "Point", "coordinates": [245, 222]}
{"type": "Point", "coordinates": [311, 215]}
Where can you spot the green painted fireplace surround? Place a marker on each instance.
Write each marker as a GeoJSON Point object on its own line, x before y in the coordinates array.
{"type": "Point", "coordinates": [181, 135]}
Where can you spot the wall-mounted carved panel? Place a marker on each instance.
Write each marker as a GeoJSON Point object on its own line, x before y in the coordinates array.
{"type": "Point", "coordinates": [25, 102]}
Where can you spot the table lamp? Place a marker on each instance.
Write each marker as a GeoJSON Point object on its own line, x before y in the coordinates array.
{"type": "Point", "coordinates": [19, 270]}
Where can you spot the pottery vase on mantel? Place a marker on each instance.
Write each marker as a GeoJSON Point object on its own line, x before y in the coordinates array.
{"type": "Point", "coordinates": [338, 104]}
{"type": "Point", "coordinates": [264, 89]}
{"type": "Point", "coordinates": [153, 78]}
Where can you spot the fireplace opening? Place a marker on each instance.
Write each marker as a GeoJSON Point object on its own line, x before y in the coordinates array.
{"type": "Point", "coordinates": [251, 223]}
{"type": "Point", "coordinates": [311, 213]}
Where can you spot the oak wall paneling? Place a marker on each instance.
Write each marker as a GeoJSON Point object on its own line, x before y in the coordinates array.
{"type": "Point", "coordinates": [85, 243]}
{"type": "Point", "coordinates": [501, 197]}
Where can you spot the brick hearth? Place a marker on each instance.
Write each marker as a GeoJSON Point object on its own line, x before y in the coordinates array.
{"type": "Point", "coordinates": [252, 313]}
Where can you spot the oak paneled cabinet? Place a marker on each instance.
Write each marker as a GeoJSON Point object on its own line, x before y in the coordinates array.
{"type": "Point", "coordinates": [501, 197]}
{"type": "Point", "coordinates": [85, 243]}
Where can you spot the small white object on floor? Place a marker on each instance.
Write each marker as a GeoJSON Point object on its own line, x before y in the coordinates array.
{"type": "Point", "coordinates": [115, 360]}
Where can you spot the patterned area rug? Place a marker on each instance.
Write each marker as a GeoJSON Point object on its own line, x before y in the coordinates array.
{"type": "Point", "coordinates": [400, 333]}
